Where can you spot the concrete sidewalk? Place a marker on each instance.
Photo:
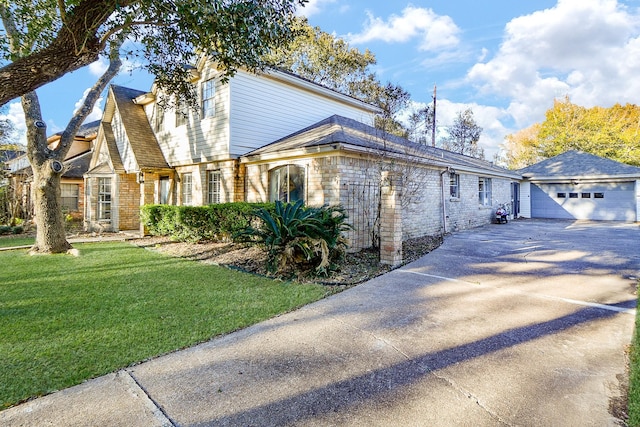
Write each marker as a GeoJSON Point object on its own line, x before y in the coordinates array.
{"type": "Point", "coordinates": [517, 324]}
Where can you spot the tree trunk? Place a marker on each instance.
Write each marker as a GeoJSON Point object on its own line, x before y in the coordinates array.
{"type": "Point", "coordinates": [50, 232]}
{"type": "Point", "coordinates": [50, 235]}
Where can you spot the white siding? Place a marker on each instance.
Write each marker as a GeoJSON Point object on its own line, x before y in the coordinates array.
{"type": "Point", "coordinates": [525, 199]}
{"type": "Point", "coordinates": [199, 140]}
{"type": "Point", "coordinates": [264, 110]}
{"type": "Point", "coordinates": [124, 146]}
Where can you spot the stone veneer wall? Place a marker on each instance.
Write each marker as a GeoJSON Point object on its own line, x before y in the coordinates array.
{"type": "Point", "coordinates": [128, 202]}
{"type": "Point", "coordinates": [329, 178]}
{"type": "Point", "coordinates": [466, 212]}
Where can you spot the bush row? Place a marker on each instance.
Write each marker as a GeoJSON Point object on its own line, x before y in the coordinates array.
{"type": "Point", "coordinates": [8, 229]}
{"type": "Point", "coordinates": [217, 222]}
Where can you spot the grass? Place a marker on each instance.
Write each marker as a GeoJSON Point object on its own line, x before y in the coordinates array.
{"type": "Point", "coordinates": [634, 375]}
{"type": "Point", "coordinates": [10, 241]}
{"type": "Point", "coordinates": [66, 319]}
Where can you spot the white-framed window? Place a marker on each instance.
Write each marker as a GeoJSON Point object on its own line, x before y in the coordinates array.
{"type": "Point", "coordinates": [69, 196]}
{"type": "Point", "coordinates": [484, 191]}
{"type": "Point", "coordinates": [182, 114]}
{"type": "Point", "coordinates": [214, 187]}
{"type": "Point", "coordinates": [158, 117]}
{"type": "Point", "coordinates": [104, 199]}
{"type": "Point", "coordinates": [208, 98]}
{"type": "Point", "coordinates": [186, 185]}
{"type": "Point", "coordinates": [165, 189]}
{"type": "Point", "coordinates": [286, 183]}
{"type": "Point", "coordinates": [454, 185]}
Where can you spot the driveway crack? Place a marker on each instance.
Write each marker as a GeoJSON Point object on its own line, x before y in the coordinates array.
{"type": "Point", "coordinates": [156, 409]}
{"type": "Point", "coordinates": [473, 397]}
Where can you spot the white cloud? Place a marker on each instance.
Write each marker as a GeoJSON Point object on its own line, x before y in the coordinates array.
{"type": "Point", "coordinates": [490, 118]}
{"type": "Point", "coordinates": [15, 115]}
{"type": "Point", "coordinates": [313, 7]}
{"type": "Point", "coordinates": [96, 113]}
{"type": "Point", "coordinates": [434, 31]}
{"type": "Point", "coordinates": [588, 50]}
{"type": "Point", "coordinates": [98, 67]}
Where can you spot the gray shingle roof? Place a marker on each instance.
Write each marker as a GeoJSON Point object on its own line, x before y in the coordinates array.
{"type": "Point", "coordinates": [77, 166]}
{"type": "Point", "coordinates": [578, 164]}
{"type": "Point", "coordinates": [141, 137]}
{"type": "Point", "coordinates": [338, 129]}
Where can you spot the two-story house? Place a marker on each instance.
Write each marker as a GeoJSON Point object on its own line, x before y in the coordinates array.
{"type": "Point", "coordinates": [275, 136]}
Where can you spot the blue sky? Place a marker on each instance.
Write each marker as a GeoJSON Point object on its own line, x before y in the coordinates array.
{"type": "Point", "coordinates": [506, 60]}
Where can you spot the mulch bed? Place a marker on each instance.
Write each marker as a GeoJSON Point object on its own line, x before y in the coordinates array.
{"type": "Point", "coordinates": [356, 268]}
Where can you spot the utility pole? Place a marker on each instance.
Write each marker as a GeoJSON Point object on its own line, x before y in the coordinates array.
{"type": "Point", "coordinates": [433, 122]}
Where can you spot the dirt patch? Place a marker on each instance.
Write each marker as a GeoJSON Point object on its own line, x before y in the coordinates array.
{"type": "Point", "coordinates": [355, 268]}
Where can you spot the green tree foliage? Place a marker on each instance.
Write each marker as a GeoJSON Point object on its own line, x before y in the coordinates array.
{"type": "Point", "coordinates": [47, 39]}
{"type": "Point", "coordinates": [51, 38]}
{"type": "Point", "coordinates": [330, 61]}
{"type": "Point", "coordinates": [464, 135]}
{"type": "Point", "coordinates": [613, 133]}
{"type": "Point", "coordinates": [519, 148]}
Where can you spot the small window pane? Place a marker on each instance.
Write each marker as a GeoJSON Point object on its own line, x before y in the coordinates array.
{"type": "Point", "coordinates": [213, 187]}
{"type": "Point", "coordinates": [484, 191]}
{"type": "Point", "coordinates": [586, 195]}
{"type": "Point", "coordinates": [286, 183]}
{"type": "Point", "coordinates": [69, 196]}
{"type": "Point", "coordinates": [454, 184]}
{"type": "Point", "coordinates": [562, 195]}
{"type": "Point", "coordinates": [208, 99]}
{"type": "Point", "coordinates": [187, 188]}
{"type": "Point", "coordinates": [573, 195]}
{"type": "Point", "coordinates": [104, 199]}
{"type": "Point", "coordinates": [598, 195]}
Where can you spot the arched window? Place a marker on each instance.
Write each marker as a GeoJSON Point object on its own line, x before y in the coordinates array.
{"type": "Point", "coordinates": [286, 183]}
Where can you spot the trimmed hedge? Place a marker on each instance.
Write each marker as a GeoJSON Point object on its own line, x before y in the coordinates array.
{"type": "Point", "coordinates": [217, 222]}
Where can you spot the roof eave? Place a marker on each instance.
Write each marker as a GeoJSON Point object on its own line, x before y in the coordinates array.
{"type": "Point", "coordinates": [551, 178]}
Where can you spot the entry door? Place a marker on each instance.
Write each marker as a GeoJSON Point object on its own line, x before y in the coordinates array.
{"type": "Point", "coordinates": [164, 190]}
{"type": "Point", "coordinates": [515, 199]}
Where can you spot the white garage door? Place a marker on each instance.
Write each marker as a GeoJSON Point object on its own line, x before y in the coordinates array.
{"type": "Point", "coordinates": [614, 201]}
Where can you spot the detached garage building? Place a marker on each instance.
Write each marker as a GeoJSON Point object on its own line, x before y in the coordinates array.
{"type": "Point", "coordinates": [577, 185]}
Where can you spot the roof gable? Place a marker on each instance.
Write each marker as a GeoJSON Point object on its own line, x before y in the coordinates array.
{"type": "Point", "coordinates": [140, 136]}
{"type": "Point", "coordinates": [575, 163]}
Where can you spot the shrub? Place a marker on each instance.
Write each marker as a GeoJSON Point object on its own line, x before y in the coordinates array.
{"type": "Point", "coordinates": [5, 229]}
{"type": "Point", "coordinates": [217, 222]}
{"type": "Point", "coordinates": [301, 238]}
{"type": "Point", "coordinates": [18, 229]}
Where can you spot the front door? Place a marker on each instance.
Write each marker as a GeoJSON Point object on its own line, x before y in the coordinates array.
{"type": "Point", "coordinates": [515, 199]}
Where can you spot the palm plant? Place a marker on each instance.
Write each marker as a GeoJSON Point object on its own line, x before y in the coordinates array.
{"type": "Point", "coordinates": [299, 237]}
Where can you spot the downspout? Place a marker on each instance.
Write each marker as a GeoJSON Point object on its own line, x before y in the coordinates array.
{"type": "Point", "coordinates": [444, 205]}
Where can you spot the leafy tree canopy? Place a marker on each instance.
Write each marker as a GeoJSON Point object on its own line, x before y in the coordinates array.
{"type": "Point", "coordinates": [613, 133]}
{"type": "Point", "coordinates": [464, 135]}
{"type": "Point", "coordinates": [330, 61]}
{"type": "Point", "coordinates": [53, 37]}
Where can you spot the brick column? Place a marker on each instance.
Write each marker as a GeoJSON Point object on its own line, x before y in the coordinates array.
{"type": "Point", "coordinates": [390, 219]}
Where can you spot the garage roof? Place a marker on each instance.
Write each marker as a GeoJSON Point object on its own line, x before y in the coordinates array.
{"type": "Point", "coordinates": [578, 164]}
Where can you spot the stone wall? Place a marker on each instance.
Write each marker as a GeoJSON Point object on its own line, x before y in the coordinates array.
{"type": "Point", "coordinates": [128, 202]}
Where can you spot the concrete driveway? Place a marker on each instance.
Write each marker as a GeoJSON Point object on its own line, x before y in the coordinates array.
{"type": "Point", "coordinates": [517, 324]}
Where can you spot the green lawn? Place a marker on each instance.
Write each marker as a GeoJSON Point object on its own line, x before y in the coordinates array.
{"type": "Point", "coordinates": [10, 241]}
{"type": "Point", "coordinates": [65, 319]}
